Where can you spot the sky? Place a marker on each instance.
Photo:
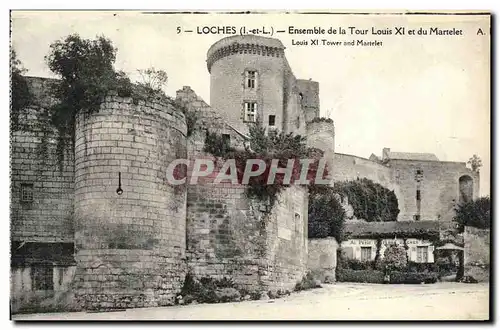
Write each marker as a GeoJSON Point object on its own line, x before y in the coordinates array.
{"type": "Point", "coordinates": [415, 93]}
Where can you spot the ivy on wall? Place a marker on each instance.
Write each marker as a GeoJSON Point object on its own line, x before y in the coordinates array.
{"type": "Point", "coordinates": [370, 201]}
{"type": "Point", "coordinates": [21, 96]}
{"type": "Point", "coordinates": [266, 147]}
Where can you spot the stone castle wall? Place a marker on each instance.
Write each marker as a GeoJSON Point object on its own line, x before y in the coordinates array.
{"type": "Point", "coordinates": [130, 247]}
{"type": "Point", "coordinates": [48, 217]}
{"type": "Point", "coordinates": [477, 253]}
{"type": "Point", "coordinates": [322, 258]}
{"type": "Point", "coordinates": [229, 235]}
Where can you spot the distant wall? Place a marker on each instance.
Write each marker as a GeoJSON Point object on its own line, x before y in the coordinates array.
{"type": "Point", "coordinates": [439, 188]}
{"type": "Point", "coordinates": [477, 253]}
{"type": "Point", "coordinates": [322, 258]}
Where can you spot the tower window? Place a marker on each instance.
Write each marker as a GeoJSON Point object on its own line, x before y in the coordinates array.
{"type": "Point", "coordinates": [251, 79]}
{"type": "Point", "coordinates": [418, 195]}
{"type": "Point", "coordinates": [27, 192]}
{"type": "Point", "coordinates": [272, 120]}
{"type": "Point", "coordinates": [251, 111]}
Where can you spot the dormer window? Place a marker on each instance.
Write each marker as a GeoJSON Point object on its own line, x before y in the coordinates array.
{"type": "Point", "coordinates": [251, 79]}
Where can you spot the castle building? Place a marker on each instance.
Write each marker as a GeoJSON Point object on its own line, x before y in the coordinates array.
{"type": "Point", "coordinates": [106, 230]}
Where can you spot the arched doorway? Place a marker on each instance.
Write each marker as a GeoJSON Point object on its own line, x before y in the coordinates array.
{"type": "Point", "coordinates": [465, 189]}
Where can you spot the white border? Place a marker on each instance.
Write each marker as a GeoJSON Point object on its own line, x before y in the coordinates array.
{"type": "Point", "coordinates": [184, 5]}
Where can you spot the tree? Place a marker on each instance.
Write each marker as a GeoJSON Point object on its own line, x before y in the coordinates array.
{"type": "Point", "coordinates": [86, 72]}
{"type": "Point", "coordinates": [326, 215]}
{"type": "Point", "coordinates": [475, 213]}
{"type": "Point", "coordinates": [21, 95]}
{"type": "Point", "coordinates": [475, 163]}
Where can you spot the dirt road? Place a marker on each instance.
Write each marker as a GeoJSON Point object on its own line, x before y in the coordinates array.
{"type": "Point", "coordinates": [342, 301]}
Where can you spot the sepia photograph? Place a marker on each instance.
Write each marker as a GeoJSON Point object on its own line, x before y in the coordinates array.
{"type": "Point", "coordinates": [250, 165]}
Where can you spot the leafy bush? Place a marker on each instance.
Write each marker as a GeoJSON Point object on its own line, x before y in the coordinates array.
{"type": "Point", "coordinates": [416, 267]}
{"type": "Point", "coordinates": [307, 282]}
{"type": "Point", "coordinates": [370, 201]}
{"type": "Point", "coordinates": [326, 214]}
{"type": "Point", "coordinates": [360, 276]}
{"type": "Point", "coordinates": [355, 264]}
{"type": "Point", "coordinates": [210, 290]}
{"type": "Point", "coordinates": [322, 120]}
{"type": "Point", "coordinates": [475, 213]}
{"type": "Point", "coordinates": [395, 258]}
{"type": "Point", "coordinates": [412, 278]}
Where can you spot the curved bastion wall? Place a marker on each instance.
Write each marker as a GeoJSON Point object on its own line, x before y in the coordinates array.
{"type": "Point", "coordinates": [130, 247]}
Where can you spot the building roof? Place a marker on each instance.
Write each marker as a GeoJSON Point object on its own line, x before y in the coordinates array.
{"type": "Point", "coordinates": [412, 156]}
{"type": "Point", "coordinates": [395, 228]}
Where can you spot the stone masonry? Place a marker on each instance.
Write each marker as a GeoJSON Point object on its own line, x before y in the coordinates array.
{"type": "Point", "coordinates": [130, 247]}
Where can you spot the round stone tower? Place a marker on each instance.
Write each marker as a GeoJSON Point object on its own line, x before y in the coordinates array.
{"type": "Point", "coordinates": [321, 135]}
{"type": "Point", "coordinates": [247, 78]}
{"type": "Point", "coordinates": [129, 222]}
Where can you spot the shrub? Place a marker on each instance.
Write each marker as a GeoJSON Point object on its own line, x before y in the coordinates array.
{"type": "Point", "coordinates": [412, 278]}
{"type": "Point", "coordinates": [355, 264]}
{"type": "Point", "coordinates": [360, 276]}
{"type": "Point", "coordinates": [322, 120]}
{"type": "Point", "coordinates": [209, 290]}
{"type": "Point", "coordinates": [395, 258]}
{"type": "Point", "coordinates": [416, 267]}
{"type": "Point", "coordinates": [307, 282]}
{"type": "Point", "coordinates": [227, 295]}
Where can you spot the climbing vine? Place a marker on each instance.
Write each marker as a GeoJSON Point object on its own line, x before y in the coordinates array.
{"type": "Point", "coordinates": [370, 201]}
{"type": "Point", "coordinates": [266, 147]}
{"type": "Point", "coordinates": [21, 96]}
